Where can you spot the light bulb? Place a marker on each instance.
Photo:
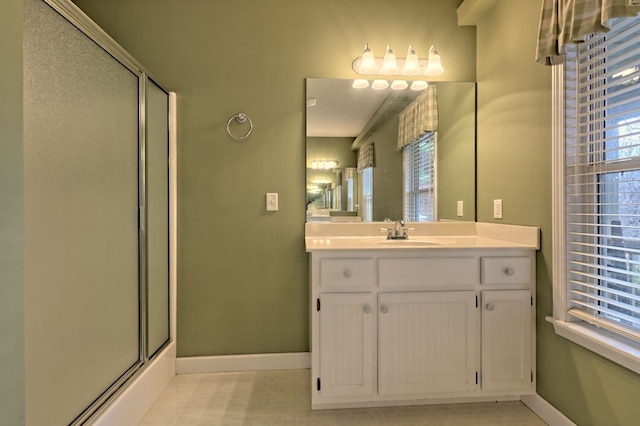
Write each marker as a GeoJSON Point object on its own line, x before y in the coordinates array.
{"type": "Point", "coordinates": [360, 83]}
{"type": "Point", "coordinates": [419, 85]}
{"type": "Point", "coordinates": [389, 65]}
{"type": "Point", "coordinates": [434, 65]}
{"type": "Point", "coordinates": [399, 85]}
{"type": "Point", "coordinates": [380, 84]}
{"type": "Point", "coordinates": [411, 65]}
{"type": "Point", "coordinates": [368, 62]}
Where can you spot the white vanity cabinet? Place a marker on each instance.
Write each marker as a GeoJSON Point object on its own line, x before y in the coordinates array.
{"type": "Point", "coordinates": [346, 345]}
{"type": "Point", "coordinates": [424, 342]}
{"type": "Point", "coordinates": [407, 326]}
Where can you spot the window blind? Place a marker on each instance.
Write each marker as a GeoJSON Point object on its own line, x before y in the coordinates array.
{"type": "Point", "coordinates": [602, 174]}
{"type": "Point", "coordinates": [419, 179]}
{"type": "Point", "coordinates": [367, 194]}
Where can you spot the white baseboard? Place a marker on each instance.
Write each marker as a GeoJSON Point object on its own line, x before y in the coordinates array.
{"type": "Point", "coordinates": [547, 412]}
{"type": "Point", "coordinates": [217, 364]}
{"type": "Point", "coordinates": [130, 406]}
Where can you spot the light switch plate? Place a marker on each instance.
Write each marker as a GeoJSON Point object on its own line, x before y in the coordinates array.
{"type": "Point", "coordinates": [272, 201]}
{"type": "Point", "coordinates": [497, 209]}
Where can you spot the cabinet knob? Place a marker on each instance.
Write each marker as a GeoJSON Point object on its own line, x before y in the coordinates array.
{"type": "Point", "coordinates": [509, 271]}
{"type": "Point", "coordinates": [384, 309]}
{"type": "Point", "coordinates": [366, 309]}
{"type": "Point", "coordinates": [490, 307]}
{"type": "Point", "coordinates": [346, 273]}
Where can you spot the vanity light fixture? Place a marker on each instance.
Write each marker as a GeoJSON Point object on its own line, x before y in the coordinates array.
{"type": "Point", "coordinates": [399, 85]}
{"type": "Point", "coordinates": [324, 164]}
{"type": "Point", "coordinates": [360, 83]}
{"type": "Point", "coordinates": [390, 65]}
{"type": "Point", "coordinates": [379, 84]}
{"type": "Point", "coordinates": [419, 85]}
{"type": "Point", "coordinates": [434, 64]}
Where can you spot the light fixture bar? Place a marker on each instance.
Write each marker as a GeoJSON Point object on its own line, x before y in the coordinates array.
{"type": "Point", "coordinates": [367, 64]}
{"type": "Point", "coordinates": [355, 65]}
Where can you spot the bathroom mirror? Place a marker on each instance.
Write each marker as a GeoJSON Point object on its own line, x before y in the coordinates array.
{"type": "Point", "coordinates": [341, 118]}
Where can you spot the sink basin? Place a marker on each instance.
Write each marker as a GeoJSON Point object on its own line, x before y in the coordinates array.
{"type": "Point", "coordinates": [409, 243]}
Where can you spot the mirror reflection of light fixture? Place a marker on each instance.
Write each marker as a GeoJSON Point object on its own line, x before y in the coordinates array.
{"type": "Point", "coordinates": [412, 66]}
{"type": "Point", "coordinates": [360, 83]}
{"type": "Point", "coordinates": [320, 181]}
{"type": "Point", "coordinates": [419, 85]}
{"type": "Point", "coordinates": [399, 85]}
{"type": "Point", "coordinates": [324, 164]}
{"type": "Point", "coordinates": [379, 84]}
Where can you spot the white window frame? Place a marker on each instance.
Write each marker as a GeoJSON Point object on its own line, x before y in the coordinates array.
{"type": "Point", "coordinates": [430, 138]}
{"type": "Point", "coordinates": [612, 346]}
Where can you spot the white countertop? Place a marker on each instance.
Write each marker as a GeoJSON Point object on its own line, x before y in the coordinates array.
{"type": "Point", "coordinates": [440, 235]}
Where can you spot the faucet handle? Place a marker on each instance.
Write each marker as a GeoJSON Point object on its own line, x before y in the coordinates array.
{"type": "Point", "coordinates": [389, 231]}
{"type": "Point", "coordinates": [406, 230]}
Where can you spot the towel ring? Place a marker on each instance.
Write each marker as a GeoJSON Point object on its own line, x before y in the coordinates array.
{"type": "Point", "coordinates": [240, 118]}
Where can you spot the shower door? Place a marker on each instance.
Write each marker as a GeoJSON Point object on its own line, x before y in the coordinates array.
{"type": "Point", "coordinates": [96, 215]}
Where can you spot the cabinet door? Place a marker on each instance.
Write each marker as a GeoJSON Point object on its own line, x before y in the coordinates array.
{"type": "Point", "coordinates": [347, 344]}
{"type": "Point", "coordinates": [426, 342]}
{"type": "Point", "coordinates": [506, 340]}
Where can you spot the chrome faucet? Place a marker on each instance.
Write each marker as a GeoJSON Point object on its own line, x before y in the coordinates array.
{"type": "Point", "coordinates": [397, 232]}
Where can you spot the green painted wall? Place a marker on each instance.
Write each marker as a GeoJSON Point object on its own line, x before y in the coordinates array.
{"type": "Point", "coordinates": [456, 150]}
{"type": "Point", "coordinates": [12, 349]}
{"type": "Point", "coordinates": [243, 272]}
{"type": "Point", "coordinates": [514, 164]}
{"type": "Point", "coordinates": [324, 148]}
{"type": "Point", "coordinates": [387, 173]}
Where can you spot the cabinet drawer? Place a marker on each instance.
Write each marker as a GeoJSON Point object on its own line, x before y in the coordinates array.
{"type": "Point", "coordinates": [347, 273]}
{"type": "Point", "coordinates": [428, 272]}
{"type": "Point", "coordinates": [506, 270]}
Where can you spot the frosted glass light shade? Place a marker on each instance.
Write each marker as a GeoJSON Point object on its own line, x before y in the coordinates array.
{"type": "Point", "coordinates": [368, 62]}
{"type": "Point", "coordinates": [389, 65]}
{"type": "Point", "coordinates": [380, 84]}
{"type": "Point", "coordinates": [399, 85]}
{"type": "Point", "coordinates": [434, 64]}
{"type": "Point", "coordinates": [411, 64]}
{"type": "Point", "coordinates": [419, 85]}
{"type": "Point", "coordinates": [360, 83]}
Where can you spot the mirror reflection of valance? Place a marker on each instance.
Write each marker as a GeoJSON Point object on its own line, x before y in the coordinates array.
{"type": "Point", "coordinates": [570, 21]}
{"type": "Point", "coordinates": [366, 157]}
{"type": "Point", "coordinates": [418, 118]}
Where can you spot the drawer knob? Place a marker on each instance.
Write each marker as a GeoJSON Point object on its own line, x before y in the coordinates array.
{"type": "Point", "coordinates": [384, 309]}
{"type": "Point", "coordinates": [366, 309]}
{"type": "Point", "coordinates": [346, 273]}
{"type": "Point", "coordinates": [509, 271]}
{"type": "Point", "coordinates": [490, 306]}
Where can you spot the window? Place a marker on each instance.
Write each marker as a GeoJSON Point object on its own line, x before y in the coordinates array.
{"type": "Point", "coordinates": [367, 194]}
{"type": "Point", "coordinates": [419, 179]}
{"type": "Point", "coordinates": [598, 213]}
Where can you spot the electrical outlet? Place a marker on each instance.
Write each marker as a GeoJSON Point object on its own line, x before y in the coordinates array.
{"type": "Point", "coordinates": [272, 201]}
{"type": "Point", "coordinates": [460, 208]}
{"type": "Point", "coordinates": [497, 209]}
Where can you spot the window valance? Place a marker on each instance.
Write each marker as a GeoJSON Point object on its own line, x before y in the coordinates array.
{"type": "Point", "coordinates": [570, 21]}
{"type": "Point", "coordinates": [419, 117]}
{"type": "Point", "coordinates": [366, 157]}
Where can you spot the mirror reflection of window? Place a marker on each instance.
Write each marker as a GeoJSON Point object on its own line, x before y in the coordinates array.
{"type": "Point", "coordinates": [419, 163]}
{"type": "Point", "coordinates": [367, 194]}
{"type": "Point", "coordinates": [350, 195]}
